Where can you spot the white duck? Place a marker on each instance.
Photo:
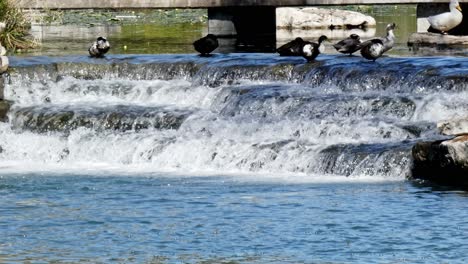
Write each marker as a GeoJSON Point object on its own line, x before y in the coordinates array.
{"type": "Point", "coordinates": [448, 20]}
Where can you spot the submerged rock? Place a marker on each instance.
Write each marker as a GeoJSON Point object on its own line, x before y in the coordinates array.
{"type": "Point", "coordinates": [443, 162]}
{"type": "Point", "coordinates": [312, 17]}
{"type": "Point", "coordinates": [434, 39]}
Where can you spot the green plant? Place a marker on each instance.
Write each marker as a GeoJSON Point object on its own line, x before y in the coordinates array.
{"type": "Point", "coordinates": [16, 32]}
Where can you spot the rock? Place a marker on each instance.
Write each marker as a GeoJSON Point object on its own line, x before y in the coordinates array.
{"type": "Point", "coordinates": [4, 108]}
{"type": "Point", "coordinates": [443, 162]}
{"type": "Point", "coordinates": [434, 39]}
{"type": "Point", "coordinates": [312, 17]}
{"type": "Point", "coordinates": [453, 127]}
{"type": "Point", "coordinates": [2, 26]}
{"type": "Point", "coordinates": [4, 63]}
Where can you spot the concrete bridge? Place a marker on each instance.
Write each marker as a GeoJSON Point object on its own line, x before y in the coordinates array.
{"type": "Point", "coordinates": [162, 4]}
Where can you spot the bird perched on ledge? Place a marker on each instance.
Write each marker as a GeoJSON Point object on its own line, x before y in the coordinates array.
{"type": "Point", "coordinates": [311, 50]}
{"type": "Point", "coordinates": [100, 47]}
{"type": "Point", "coordinates": [206, 45]}
{"type": "Point", "coordinates": [389, 40]}
{"type": "Point", "coordinates": [372, 49]}
{"type": "Point", "coordinates": [292, 48]}
{"type": "Point", "coordinates": [448, 20]}
{"type": "Point", "coordinates": [348, 45]}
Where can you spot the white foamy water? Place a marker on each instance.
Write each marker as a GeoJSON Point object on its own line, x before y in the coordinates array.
{"type": "Point", "coordinates": [224, 117]}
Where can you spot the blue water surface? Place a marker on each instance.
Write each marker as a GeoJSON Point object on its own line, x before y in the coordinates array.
{"type": "Point", "coordinates": [223, 219]}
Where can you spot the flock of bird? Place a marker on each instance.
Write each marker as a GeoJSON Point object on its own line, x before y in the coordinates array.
{"type": "Point", "coordinates": [371, 49]}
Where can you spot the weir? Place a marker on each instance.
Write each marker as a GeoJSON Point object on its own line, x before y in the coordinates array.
{"type": "Point", "coordinates": [236, 112]}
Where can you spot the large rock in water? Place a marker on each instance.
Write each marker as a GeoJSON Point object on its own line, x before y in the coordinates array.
{"type": "Point", "coordinates": [312, 17]}
{"type": "Point", "coordinates": [435, 39]}
{"type": "Point", "coordinates": [443, 162]}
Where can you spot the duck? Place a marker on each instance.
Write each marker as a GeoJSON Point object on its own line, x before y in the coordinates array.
{"type": "Point", "coordinates": [372, 49]}
{"type": "Point", "coordinates": [292, 48]}
{"type": "Point", "coordinates": [348, 45]}
{"type": "Point", "coordinates": [100, 47]}
{"type": "Point", "coordinates": [206, 45]}
{"type": "Point", "coordinates": [448, 20]}
{"type": "Point", "coordinates": [311, 50]}
{"type": "Point", "coordinates": [389, 40]}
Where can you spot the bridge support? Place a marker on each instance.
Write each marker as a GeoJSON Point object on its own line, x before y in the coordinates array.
{"type": "Point", "coordinates": [430, 9]}
{"type": "Point", "coordinates": [252, 27]}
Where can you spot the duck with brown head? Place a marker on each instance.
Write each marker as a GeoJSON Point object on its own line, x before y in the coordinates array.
{"type": "Point", "coordinates": [348, 45]}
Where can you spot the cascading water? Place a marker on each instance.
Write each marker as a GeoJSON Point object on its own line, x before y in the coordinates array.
{"type": "Point", "coordinates": [265, 114]}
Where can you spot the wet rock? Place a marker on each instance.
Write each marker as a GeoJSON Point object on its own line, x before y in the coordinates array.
{"type": "Point", "coordinates": [453, 127]}
{"type": "Point", "coordinates": [4, 108]}
{"type": "Point", "coordinates": [443, 162]}
{"type": "Point", "coordinates": [312, 17]}
{"type": "Point", "coordinates": [434, 39]}
{"type": "Point", "coordinates": [121, 117]}
{"type": "Point", "coordinates": [4, 63]}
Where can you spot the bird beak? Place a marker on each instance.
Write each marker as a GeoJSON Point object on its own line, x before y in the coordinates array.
{"type": "Point", "coordinates": [459, 8]}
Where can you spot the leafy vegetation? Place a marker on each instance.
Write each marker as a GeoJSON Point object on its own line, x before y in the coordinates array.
{"type": "Point", "coordinates": [16, 32]}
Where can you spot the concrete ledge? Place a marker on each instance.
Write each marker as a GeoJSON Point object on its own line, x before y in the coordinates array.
{"type": "Point", "coordinates": [434, 39]}
{"type": "Point", "coordinates": [128, 4]}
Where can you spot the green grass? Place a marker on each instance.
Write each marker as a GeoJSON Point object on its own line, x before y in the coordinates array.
{"type": "Point", "coordinates": [16, 33]}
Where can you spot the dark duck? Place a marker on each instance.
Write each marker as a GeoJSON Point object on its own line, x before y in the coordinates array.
{"type": "Point", "coordinates": [348, 45]}
{"type": "Point", "coordinates": [100, 47]}
{"type": "Point", "coordinates": [372, 49]}
{"type": "Point", "coordinates": [389, 40]}
{"type": "Point", "coordinates": [206, 45]}
{"type": "Point", "coordinates": [375, 48]}
{"type": "Point", "coordinates": [292, 48]}
{"type": "Point", "coordinates": [311, 50]}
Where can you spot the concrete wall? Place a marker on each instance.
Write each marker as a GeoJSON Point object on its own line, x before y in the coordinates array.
{"type": "Point", "coordinates": [254, 27]}
{"type": "Point", "coordinates": [110, 4]}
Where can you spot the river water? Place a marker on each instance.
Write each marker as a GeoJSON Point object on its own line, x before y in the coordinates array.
{"type": "Point", "coordinates": [235, 158]}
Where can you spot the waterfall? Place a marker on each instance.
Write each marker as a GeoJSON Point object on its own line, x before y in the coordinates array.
{"type": "Point", "coordinates": [241, 113]}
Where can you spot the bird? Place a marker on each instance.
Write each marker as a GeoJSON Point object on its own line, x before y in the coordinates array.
{"type": "Point", "coordinates": [206, 45]}
{"type": "Point", "coordinates": [311, 50]}
{"type": "Point", "coordinates": [348, 45]}
{"type": "Point", "coordinates": [100, 47]}
{"type": "Point", "coordinates": [292, 48]}
{"type": "Point", "coordinates": [448, 20]}
{"type": "Point", "coordinates": [389, 40]}
{"type": "Point", "coordinates": [372, 49]}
